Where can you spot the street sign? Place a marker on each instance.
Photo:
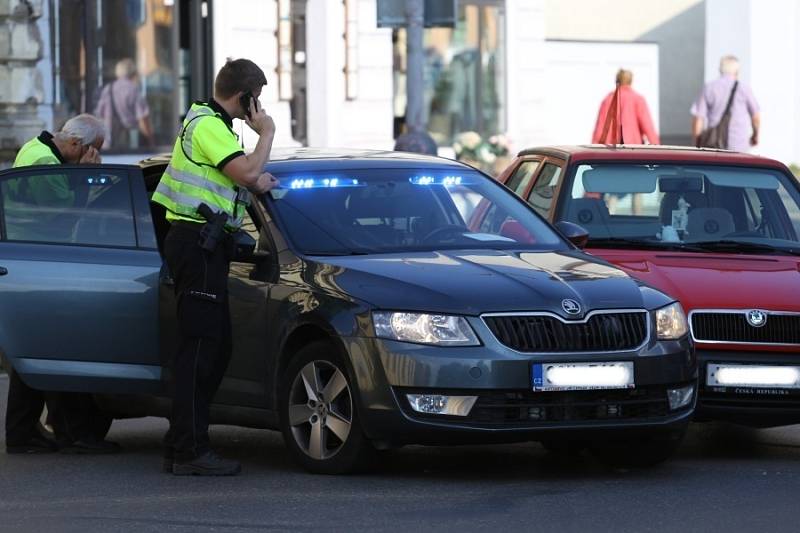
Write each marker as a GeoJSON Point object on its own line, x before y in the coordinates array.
{"type": "Point", "coordinates": [438, 13]}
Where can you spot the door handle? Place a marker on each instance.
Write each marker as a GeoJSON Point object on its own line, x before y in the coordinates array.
{"type": "Point", "coordinates": [3, 271]}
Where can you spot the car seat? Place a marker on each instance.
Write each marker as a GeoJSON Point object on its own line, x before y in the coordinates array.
{"type": "Point", "coordinates": [591, 214]}
{"type": "Point", "coordinates": [709, 224]}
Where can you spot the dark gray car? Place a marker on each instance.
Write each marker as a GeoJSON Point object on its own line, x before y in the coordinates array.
{"type": "Point", "coordinates": [377, 299]}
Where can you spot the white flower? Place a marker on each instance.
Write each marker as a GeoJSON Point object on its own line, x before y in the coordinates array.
{"type": "Point", "coordinates": [486, 155]}
{"type": "Point", "coordinates": [457, 147]}
{"type": "Point", "coordinates": [470, 140]}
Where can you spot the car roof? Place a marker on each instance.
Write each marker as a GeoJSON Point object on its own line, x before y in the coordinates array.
{"type": "Point", "coordinates": [305, 159]}
{"type": "Point", "coordinates": [633, 152]}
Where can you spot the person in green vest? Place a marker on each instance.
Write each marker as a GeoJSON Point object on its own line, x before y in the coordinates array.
{"type": "Point", "coordinates": [208, 168]}
{"type": "Point", "coordinates": [74, 415]}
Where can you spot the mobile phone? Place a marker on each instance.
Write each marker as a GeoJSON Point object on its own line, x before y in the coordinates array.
{"type": "Point", "coordinates": [245, 101]}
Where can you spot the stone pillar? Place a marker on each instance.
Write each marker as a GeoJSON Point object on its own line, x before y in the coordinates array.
{"type": "Point", "coordinates": [21, 87]}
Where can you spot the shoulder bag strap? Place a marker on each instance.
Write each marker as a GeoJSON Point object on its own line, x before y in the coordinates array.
{"type": "Point", "coordinates": [730, 99]}
{"type": "Point", "coordinates": [611, 118]}
{"type": "Point", "coordinates": [114, 104]}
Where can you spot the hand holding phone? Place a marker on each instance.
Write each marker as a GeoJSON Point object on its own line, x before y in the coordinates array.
{"type": "Point", "coordinates": [246, 101]}
{"type": "Point", "coordinates": [258, 119]}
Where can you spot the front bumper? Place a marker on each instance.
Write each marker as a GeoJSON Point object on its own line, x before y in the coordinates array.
{"type": "Point", "coordinates": [752, 406]}
{"type": "Point", "coordinates": [507, 409]}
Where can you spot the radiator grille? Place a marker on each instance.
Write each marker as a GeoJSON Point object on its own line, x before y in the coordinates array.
{"type": "Point", "coordinates": [733, 327]}
{"type": "Point", "coordinates": [601, 332]}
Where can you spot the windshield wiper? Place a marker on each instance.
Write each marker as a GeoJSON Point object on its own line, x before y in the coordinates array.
{"type": "Point", "coordinates": [744, 247]}
{"type": "Point", "coordinates": [624, 242]}
{"type": "Point", "coordinates": [339, 254]}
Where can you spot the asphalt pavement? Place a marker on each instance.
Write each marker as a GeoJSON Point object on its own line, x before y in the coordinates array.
{"type": "Point", "coordinates": [723, 479]}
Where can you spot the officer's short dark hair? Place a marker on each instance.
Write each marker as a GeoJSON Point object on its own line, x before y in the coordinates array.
{"type": "Point", "coordinates": [238, 75]}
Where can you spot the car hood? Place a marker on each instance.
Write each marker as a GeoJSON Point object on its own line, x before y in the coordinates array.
{"type": "Point", "coordinates": [716, 281]}
{"type": "Point", "coordinates": [475, 282]}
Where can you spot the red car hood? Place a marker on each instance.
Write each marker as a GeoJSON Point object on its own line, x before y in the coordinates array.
{"type": "Point", "coordinates": [715, 281]}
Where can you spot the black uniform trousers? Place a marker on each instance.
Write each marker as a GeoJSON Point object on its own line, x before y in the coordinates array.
{"type": "Point", "coordinates": [70, 413]}
{"type": "Point", "coordinates": [204, 346]}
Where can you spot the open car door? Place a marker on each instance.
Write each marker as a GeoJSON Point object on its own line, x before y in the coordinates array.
{"type": "Point", "coordinates": [79, 279]}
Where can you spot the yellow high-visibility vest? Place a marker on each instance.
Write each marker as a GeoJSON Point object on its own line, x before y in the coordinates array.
{"type": "Point", "coordinates": [187, 182]}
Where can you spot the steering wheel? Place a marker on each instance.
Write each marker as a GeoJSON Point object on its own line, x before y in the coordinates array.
{"type": "Point", "coordinates": [444, 230]}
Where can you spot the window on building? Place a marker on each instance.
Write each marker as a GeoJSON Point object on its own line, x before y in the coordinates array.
{"type": "Point", "coordinates": [464, 78]}
{"type": "Point", "coordinates": [116, 60]}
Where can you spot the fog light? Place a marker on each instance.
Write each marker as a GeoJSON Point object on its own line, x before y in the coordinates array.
{"type": "Point", "coordinates": [535, 413]}
{"type": "Point", "coordinates": [439, 404]}
{"type": "Point", "coordinates": [680, 397]}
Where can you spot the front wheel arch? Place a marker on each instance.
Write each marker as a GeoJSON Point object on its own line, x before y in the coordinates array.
{"type": "Point", "coordinates": [299, 338]}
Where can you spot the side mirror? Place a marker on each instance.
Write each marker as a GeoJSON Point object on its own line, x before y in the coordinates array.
{"type": "Point", "coordinates": [573, 233]}
{"type": "Point", "coordinates": [245, 247]}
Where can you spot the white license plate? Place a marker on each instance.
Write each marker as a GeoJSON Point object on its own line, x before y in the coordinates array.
{"type": "Point", "coordinates": [761, 376]}
{"type": "Point", "coordinates": [582, 376]}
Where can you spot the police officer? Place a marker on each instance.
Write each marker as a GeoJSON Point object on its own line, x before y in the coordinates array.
{"type": "Point", "coordinates": [208, 167]}
{"type": "Point", "coordinates": [74, 416]}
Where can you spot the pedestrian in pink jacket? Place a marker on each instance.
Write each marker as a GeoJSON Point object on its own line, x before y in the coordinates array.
{"type": "Point", "coordinates": [633, 124]}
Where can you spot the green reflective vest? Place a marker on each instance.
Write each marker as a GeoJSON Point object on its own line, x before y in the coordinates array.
{"type": "Point", "coordinates": [49, 190]}
{"type": "Point", "coordinates": [35, 152]}
{"type": "Point", "coordinates": [187, 183]}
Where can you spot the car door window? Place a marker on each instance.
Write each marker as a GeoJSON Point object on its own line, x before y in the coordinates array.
{"type": "Point", "coordinates": [522, 177]}
{"type": "Point", "coordinates": [543, 192]}
{"type": "Point", "coordinates": [68, 206]}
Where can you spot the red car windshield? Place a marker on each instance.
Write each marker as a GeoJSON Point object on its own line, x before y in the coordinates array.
{"type": "Point", "coordinates": [693, 207]}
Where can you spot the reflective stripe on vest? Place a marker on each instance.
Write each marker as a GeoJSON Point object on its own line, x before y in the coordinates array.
{"type": "Point", "coordinates": [35, 152]}
{"type": "Point", "coordinates": [187, 183]}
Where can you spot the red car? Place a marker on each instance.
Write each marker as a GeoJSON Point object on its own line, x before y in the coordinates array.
{"type": "Point", "coordinates": [717, 230]}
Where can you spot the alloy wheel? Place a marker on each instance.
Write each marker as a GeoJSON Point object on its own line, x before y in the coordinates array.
{"type": "Point", "coordinates": [320, 409]}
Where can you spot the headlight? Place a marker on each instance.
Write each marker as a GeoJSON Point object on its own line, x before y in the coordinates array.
{"type": "Point", "coordinates": [671, 322]}
{"type": "Point", "coordinates": [442, 330]}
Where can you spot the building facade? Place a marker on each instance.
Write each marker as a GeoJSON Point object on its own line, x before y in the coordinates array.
{"type": "Point", "coordinates": [534, 71]}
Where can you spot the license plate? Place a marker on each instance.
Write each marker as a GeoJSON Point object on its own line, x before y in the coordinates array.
{"type": "Point", "coordinates": [753, 376]}
{"type": "Point", "coordinates": [582, 376]}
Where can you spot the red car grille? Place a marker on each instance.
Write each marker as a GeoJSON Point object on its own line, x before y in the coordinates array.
{"type": "Point", "coordinates": [734, 327]}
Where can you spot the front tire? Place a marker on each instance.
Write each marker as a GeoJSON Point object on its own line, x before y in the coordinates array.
{"type": "Point", "coordinates": [318, 415]}
{"type": "Point", "coordinates": [640, 452]}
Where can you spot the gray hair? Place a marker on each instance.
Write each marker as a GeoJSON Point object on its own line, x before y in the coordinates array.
{"type": "Point", "coordinates": [729, 65]}
{"type": "Point", "coordinates": [125, 69]}
{"type": "Point", "coordinates": [88, 129]}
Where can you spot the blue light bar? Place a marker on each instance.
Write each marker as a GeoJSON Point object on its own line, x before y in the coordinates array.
{"type": "Point", "coordinates": [438, 180]}
{"type": "Point", "coordinates": [323, 183]}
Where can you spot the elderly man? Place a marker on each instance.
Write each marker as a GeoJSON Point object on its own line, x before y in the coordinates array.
{"type": "Point", "coordinates": [708, 110]}
{"type": "Point", "coordinates": [74, 415]}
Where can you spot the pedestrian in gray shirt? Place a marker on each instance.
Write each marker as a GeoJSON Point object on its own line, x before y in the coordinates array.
{"type": "Point", "coordinates": [710, 106]}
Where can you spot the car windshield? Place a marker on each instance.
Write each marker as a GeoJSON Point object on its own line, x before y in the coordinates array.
{"type": "Point", "coordinates": [694, 207]}
{"type": "Point", "coordinates": [392, 210]}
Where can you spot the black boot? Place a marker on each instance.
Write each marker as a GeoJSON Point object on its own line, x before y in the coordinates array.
{"type": "Point", "coordinates": [35, 444]}
{"type": "Point", "coordinates": [208, 464]}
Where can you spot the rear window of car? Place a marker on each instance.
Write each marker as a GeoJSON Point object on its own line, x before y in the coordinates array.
{"type": "Point", "coordinates": [68, 206]}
